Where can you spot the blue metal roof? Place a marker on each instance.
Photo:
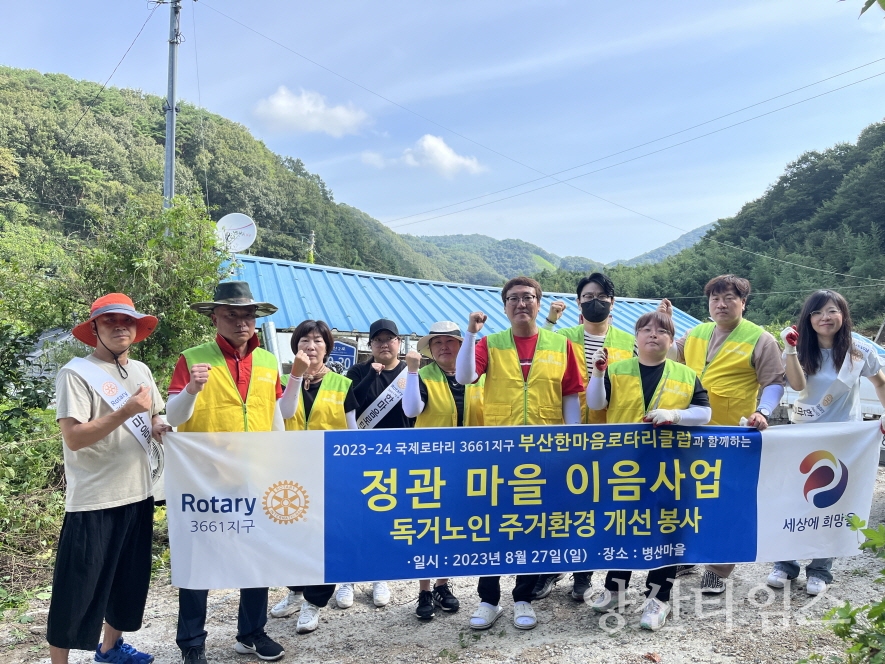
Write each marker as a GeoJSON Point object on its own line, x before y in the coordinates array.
{"type": "Point", "coordinates": [350, 300]}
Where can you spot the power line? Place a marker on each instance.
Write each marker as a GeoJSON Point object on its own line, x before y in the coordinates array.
{"type": "Point", "coordinates": [640, 145]}
{"type": "Point", "coordinates": [98, 94]}
{"type": "Point", "coordinates": [625, 161]}
{"type": "Point", "coordinates": [568, 180]}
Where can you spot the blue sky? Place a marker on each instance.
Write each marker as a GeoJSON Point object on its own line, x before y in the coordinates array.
{"type": "Point", "coordinates": [500, 94]}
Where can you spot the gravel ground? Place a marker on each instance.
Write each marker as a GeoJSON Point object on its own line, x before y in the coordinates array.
{"type": "Point", "coordinates": [752, 624]}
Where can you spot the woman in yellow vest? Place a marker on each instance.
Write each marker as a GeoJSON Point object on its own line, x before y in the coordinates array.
{"type": "Point", "coordinates": [316, 398]}
{"type": "Point", "coordinates": [648, 388]}
{"type": "Point", "coordinates": [436, 399]}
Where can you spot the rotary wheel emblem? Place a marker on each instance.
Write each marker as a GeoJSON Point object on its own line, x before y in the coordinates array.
{"type": "Point", "coordinates": [401, 383]}
{"type": "Point", "coordinates": [827, 400]}
{"type": "Point", "coordinates": [109, 388]}
{"type": "Point", "coordinates": [286, 502]}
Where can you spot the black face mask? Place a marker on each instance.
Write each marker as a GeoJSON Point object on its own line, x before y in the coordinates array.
{"type": "Point", "coordinates": [596, 311]}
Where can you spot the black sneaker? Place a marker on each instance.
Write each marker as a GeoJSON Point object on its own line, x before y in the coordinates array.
{"type": "Point", "coordinates": [425, 605]}
{"type": "Point", "coordinates": [444, 599]}
{"type": "Point", "coordinates": [262, 646]}
{"type": "Point", "coordinates": [580, 585]}
{"type": "Point", "coordinates": [682, 570]}
{"type": "Point", "coordinates": [195, 655]}
{"type": "Point", "coordinates": [545, 585]}
{"type": "Point", "coordinates": [712, 583]}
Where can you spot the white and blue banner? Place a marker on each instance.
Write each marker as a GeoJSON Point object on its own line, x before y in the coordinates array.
{"type": "Point", "coordinates": [297, 508]}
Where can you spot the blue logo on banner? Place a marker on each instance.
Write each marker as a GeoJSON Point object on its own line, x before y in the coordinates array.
{"type": "Point", "coordinates": [511, 500]}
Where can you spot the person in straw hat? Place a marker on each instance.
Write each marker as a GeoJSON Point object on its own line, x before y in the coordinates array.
{"type": "Point", "coordinates": [228, 384]}
{"type": "Point", "coordinates": [107, 410]}
{"type": "Point", "coordinates": [436, 399]}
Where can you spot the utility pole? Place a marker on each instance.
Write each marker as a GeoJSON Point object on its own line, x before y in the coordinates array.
{"type": "Point", "coordinates": [170, 106]}
{"type": "Point", "coordinates": [310, 247]}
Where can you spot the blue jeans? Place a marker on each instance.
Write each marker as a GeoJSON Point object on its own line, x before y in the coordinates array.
{"type": "Point", "coordinates": [819, 567]}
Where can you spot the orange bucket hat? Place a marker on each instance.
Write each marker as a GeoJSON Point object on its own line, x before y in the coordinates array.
{"type": "Point", "coordinates": [115, 303]}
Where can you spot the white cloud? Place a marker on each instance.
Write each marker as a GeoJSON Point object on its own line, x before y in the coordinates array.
{"type": "Point", "coordinates": [373, 159]}
{"type": "Point", "coordinates": [432, 152]}
{"type": "Point", "coordinates": [286, 111]}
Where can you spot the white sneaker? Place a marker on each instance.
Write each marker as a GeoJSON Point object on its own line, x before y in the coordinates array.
{"type": "Point", "coordinates": [344, 596]}
{"type": "Point", "coordinates": [288, 605]}
{"type": "Point", "coordinates": [309, 618]}
{"type": "Point", "coordinates": [380, 593]}
{"type": "Point", "coordinates": [778, 578]}
{"type": "Point", "coordinates": [815, 585]}
{"type": "Point", "coordinates": [609, 601]}
{"type": "Point", "coordinates": [655, 614]}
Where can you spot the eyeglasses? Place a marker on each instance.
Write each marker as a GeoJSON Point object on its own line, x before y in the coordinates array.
{"type": "Point", "coordinates": [829, 312]}
{"type": "Point", "coordinates": [384, 342]}
{"type": "Point", "coordinates": [599, 297]}
{"type": "Point", "coordinates": [513, 300]}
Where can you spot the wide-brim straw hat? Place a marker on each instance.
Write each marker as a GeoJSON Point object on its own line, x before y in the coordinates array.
{"type": "Point", "coordinates": [115, 303]}
{"type": "Point", "coordinates": [234, 294]}
{"type": "Point", "coordinates": [443, 328]}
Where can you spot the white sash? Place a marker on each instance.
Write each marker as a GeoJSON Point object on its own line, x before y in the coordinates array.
{"type": "Point", "coordinates": [385, 401]}
{"type": "Point", "coordinates": [849, 374]}
{"type": "Point", "coordinates": [114, 395]}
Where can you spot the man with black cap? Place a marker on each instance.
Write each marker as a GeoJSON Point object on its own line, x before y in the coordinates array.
{"type": "Point", "coordinates": [107, 410]}
{"type": "Point", "coordinates": [229, 384]}
{"type": "Point", "coordinates": [378, 386]}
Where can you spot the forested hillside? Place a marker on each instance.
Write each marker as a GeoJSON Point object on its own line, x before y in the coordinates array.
{"type": "Point", "coordinates": [684, 241]}
{"type": "Point", "coordinates": [826, 212]}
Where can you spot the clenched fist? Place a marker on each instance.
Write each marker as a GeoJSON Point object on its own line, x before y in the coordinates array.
{"type": "Point", "coordinates": [475, 321]}
{"type": "Point", "coordinates": [599, 362]}
{"type": "Point", "coordinates": [413, 361]}
{"type": "Point", "coordinates": [199, 378]}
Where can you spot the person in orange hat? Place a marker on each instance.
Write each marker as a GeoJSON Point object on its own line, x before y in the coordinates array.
{"type": "Point", "coordinates": [107, 410]}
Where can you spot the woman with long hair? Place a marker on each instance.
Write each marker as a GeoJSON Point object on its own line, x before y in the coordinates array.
{"type": "Point", "coordinates": [824, 363]}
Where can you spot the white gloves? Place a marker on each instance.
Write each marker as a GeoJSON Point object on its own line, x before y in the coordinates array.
{"type": "Point", "coordinates": [791, 338]}
{"type": "Point", "coordinates": [661, 416]}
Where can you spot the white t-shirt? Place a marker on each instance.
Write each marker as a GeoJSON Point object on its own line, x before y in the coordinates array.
{"type": "Point", "coordinates": [115, 470]}
{"type": "Point", "coordinates": [847, 407]}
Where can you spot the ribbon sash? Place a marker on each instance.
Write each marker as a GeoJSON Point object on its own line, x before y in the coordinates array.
{"type": "Point", "coordinates": [849, 374]}
{"type": "Point", "coordinates": [385, 401]}
{"type": "Point", "coordinates": [114, 395]}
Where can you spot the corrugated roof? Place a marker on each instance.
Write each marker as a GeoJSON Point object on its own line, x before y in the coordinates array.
{"type": "Point", "coordinates": [349, 300]}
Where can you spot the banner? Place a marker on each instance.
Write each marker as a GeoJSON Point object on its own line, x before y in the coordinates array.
{"type": "Point", "coordinates": [309, 507]}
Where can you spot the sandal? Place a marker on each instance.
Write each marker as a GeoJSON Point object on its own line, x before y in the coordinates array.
{"type": "Point", "coordinates": [485, 616]}
{"type": "Point", "coordinates": [524, 616]}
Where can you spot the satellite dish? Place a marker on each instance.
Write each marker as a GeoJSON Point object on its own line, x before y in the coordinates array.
{"type": "Point", "coordinates": [236, 231]}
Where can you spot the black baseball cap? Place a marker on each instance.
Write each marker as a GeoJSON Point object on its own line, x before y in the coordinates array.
{"type": "Point", "coordinates": [381, 325]}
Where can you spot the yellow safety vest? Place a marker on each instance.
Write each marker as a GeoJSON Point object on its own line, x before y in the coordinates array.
{"type": "Point", "coordinates": [219, 406]}
{"type": "Point", "coordinates": [729, 378]}
{"type": "Point", "coordinates": [627, 403]}
{"type": "Point", "coordinates": [620, 347]}
{"type": "Point", "coordinates": [510, 400]}
{"type": "Point", "coordinates": [327, 412]}
{"type": "Point", "coordinates": [440, 409]}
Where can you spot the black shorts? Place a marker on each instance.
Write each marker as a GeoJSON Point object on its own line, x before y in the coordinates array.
{"type": "Point", "coordinates": [102, 573]}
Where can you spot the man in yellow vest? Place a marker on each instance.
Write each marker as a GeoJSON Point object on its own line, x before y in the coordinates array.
{"type": "Point", "coordinates": [229, 384]}
{"type": "Point", "coordinates": [436, 399]}
{"type": "Point", "coordinates": [596, 298]}
{"type": "Point", "coordinates": [532, 376]}
{"type": "Point", "coordinates": [740, 366]}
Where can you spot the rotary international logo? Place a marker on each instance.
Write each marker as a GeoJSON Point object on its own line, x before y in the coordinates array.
{"type": "Point", "coordinates": [286, 502]}
{"type": "Point", "coordinates": [109, 389]}
{"type": "Point", "coordinates": [401, 383]}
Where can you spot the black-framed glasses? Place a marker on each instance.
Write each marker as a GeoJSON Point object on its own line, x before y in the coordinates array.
{"type": "Point", "coordinates": [599, 297]}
